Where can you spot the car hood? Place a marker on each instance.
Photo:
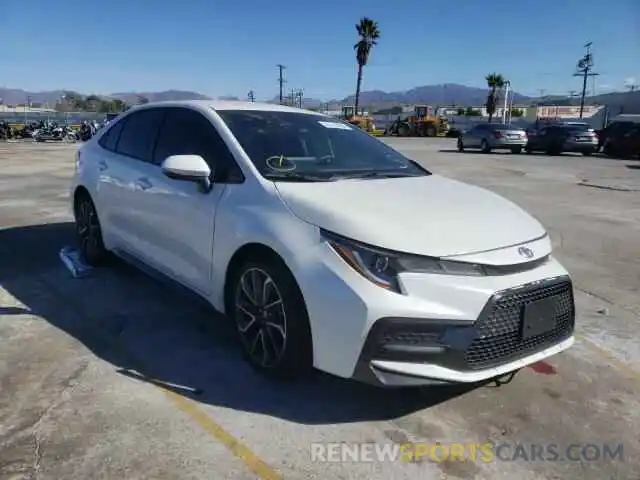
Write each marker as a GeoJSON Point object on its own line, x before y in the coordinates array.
{"type": "Point", "coordinates": [431, 215]}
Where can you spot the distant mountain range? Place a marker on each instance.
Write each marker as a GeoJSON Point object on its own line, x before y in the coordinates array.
{"type": "Point", "coordinates": [443, 94]}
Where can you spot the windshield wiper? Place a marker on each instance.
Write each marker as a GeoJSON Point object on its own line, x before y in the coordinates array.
{"type": "Point", "coordinates": [297, 177]}
{"type": "Point", "coordinates": [381, 175]}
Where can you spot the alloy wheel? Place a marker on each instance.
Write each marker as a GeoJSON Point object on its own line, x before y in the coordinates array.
{"type": "Point", "coordinates": [88, 228]}
{"type": "Point", "coordinates": [260, 317]}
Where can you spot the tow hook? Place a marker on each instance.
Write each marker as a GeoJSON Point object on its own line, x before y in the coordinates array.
{"type": "Point", "coordinates": [505, 379]}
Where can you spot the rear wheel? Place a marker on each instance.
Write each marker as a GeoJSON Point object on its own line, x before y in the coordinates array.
{"type": "Point", "coordinates": [431, 131]}
{"type": "Point", "coordinates": [484, 146]}
{"type": "Point", "coordinates": [271, 319]}
{"type": "Point", "coordinates": [88, 231]}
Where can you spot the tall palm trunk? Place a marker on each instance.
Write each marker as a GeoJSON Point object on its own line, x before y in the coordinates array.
{"type": "Point", "coordinates": [358, 85]}
{"type": "Point", "coordinates": [494, 102]}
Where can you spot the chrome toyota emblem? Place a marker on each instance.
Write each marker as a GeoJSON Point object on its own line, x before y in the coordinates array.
{"type": "Point", "coordinates": [525, 252]}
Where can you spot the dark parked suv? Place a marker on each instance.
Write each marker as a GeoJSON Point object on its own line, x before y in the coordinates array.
{"type": "Point", "coordinates": [556, 139]}
{"type": "Point", "coordinates": [621, 139]}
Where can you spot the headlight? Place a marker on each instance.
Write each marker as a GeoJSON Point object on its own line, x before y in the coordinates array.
{"type": "Point", "coordinates": [382, 267]}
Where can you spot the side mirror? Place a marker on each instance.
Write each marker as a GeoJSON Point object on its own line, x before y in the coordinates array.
{"type": "Point", "coordinates": [189, 168]}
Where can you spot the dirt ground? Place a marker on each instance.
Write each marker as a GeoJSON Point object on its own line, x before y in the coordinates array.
{"type": "Point", "coordinates": [121, 376]}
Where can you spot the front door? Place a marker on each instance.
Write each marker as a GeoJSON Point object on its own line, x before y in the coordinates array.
{"type": "Point", "coordinates": [181, 216]}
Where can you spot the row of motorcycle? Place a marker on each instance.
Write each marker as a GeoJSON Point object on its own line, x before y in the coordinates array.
{"type": "Point", "coordinates": [44, 131]}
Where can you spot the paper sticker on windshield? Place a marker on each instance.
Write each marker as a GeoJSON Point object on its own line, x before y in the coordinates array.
{"type": "Point", "coordinates": [338, 125]}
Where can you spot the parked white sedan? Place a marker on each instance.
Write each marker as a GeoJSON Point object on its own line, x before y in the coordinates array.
{"type": "Point", "coordinates": [325, 246]}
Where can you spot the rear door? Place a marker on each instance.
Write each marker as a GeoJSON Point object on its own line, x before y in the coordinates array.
{"type": "Point", "coordinates": [133, 161]}
{"type": "Point", "coordinates": [112, 177]}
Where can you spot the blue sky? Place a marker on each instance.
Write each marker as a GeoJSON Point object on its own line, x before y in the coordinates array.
{"type": "Point", "coordinates": [228, 48]}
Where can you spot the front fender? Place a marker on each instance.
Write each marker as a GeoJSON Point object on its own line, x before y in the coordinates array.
{"type": "Point", "coordinates": [260, 217]}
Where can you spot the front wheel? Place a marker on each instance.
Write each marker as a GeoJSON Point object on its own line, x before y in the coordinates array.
{"type": "Point", "coordinates": [271, 319]}
{"type": "Point", "coordinates": [460, 145]}
{"type": "Point", "coordinates": [516, 150]}
{"type": "Point", "coordinates": [484, 146]}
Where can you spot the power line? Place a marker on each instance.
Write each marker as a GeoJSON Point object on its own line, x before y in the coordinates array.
{"type": "Point", "coordinates": [584, 70]}
{"type": "Point", "coordinates": [281, 80]}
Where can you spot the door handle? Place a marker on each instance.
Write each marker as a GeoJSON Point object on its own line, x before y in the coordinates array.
{"type": "Point", "coordinates": [144, 183]}
{"type": "Point", "coordinates": [102, 166]}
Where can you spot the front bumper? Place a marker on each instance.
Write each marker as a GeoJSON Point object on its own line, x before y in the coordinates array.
{"type": "Point", "coordinates": [349, 314]}
{"type": "Point", "coordinates": [406, 351]}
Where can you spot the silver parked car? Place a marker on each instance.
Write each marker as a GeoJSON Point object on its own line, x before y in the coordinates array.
{"type": "Point", "coordinates": [490, 136]}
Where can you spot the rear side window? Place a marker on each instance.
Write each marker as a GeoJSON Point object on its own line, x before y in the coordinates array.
{"type": "Point", "coordinates": [139, 134]}
{"type": "Point", "coordinates": [109, 140]}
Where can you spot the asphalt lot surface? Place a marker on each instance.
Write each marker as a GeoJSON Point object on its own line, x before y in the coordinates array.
{"type": "Point", "coordinates": [121, 376]}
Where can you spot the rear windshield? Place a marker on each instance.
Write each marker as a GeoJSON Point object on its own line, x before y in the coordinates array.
{"type": "Point", "coordinates": [298, 146]}
{"type": "Point", "coordinates": [578, 129]}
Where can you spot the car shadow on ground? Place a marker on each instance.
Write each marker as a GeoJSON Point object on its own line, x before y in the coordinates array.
{"type": "Point", "coordinates": [153, 332]}
{"type": "Point", "coordinates": [634, 167]}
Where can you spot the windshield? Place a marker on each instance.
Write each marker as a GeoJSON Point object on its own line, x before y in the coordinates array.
{"type": "Point", "coordinates": [304, 147]}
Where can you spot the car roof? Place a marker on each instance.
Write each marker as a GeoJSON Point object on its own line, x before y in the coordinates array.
{"type": "Point", "coordinates": [222, 105]}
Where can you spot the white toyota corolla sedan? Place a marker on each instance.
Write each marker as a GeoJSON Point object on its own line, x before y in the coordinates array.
{"type": "Point", "coordinates": [326, 247]}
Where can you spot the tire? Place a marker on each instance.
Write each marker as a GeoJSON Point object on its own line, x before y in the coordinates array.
{"type": "Point", "coordinates": [587, 153]}
{"type": "Point", "coordinates": [403, 131]}
{"type": "Point", "coordinates": [89, 231]}
{"type": "Point", "coordinates": [284, 327]}
{"type": "Point", "coordinates": [528, 150]}
{"type": "Point", "coordinates": [460, 145]}
{"type": "Point", "coordinates": [484, 146]}
{"type": "Point", "coordinates": [516, 150]}
{"type": "Point", "coordinates": [608, 149]}
{"type": "Point", "coordinates": [431, 131]}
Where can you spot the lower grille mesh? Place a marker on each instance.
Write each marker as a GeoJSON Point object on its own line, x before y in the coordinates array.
{"type": "Point", "coordinates": [499, 332]}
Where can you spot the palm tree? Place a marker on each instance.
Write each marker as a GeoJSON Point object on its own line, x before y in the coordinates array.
{"type": "Point", "coordinates": [494, 82]}
{"type": "Point", "coordinates": [369, 34]}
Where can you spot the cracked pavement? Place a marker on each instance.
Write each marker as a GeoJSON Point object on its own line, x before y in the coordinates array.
{"type": "Point", "coordinates": [119, 375]}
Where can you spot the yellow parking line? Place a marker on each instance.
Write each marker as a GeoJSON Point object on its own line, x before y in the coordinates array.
{"type": "Point", "coordinates": [610, 357]}
{"type": "Point", "coordinates": [253, 462]}
{"type": "Point", "coordinates": [191, 408]}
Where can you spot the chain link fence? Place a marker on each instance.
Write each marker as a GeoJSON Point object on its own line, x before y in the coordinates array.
{"type": "Point", "coordinates": [72, 119]}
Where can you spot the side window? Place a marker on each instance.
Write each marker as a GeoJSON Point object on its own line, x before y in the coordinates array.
{"type": "Point", "coordinates": [139, 134]}
{"type": "Point", "coordinates": [109, 140]}
{"type": "Point", "coordinates": [188, 132]}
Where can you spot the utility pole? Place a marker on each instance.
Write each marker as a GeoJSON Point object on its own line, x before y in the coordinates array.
{"type": "Point", "coordinates": [281, 80]}
{"type": "Point", "coordinates": [584, 70]}
{"type": "Point", "coordinates": [251, 96]}
{"type": "Point", "coordinates": [632, 88]}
